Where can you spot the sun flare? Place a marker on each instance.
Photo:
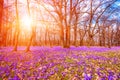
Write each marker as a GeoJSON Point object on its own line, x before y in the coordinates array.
{"type": "Point", "coordinates": [26, 22]}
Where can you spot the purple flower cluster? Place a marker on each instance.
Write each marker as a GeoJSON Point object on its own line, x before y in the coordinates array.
{"type": "Point", "coordinates": [57, 63]}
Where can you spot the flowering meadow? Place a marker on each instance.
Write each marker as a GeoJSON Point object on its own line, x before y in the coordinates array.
{"type": "Point", "coordinates": [57, 63]}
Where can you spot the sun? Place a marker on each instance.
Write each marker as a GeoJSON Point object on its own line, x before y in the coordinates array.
{"type": "Point", "coordinates": [26, 21]}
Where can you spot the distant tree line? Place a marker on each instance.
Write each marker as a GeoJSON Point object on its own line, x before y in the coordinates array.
{"type": "Point", "coordinates": [60, 23]}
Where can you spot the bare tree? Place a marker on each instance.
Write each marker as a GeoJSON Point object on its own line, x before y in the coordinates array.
{"type": "Point", "coordinates": [95, 13]}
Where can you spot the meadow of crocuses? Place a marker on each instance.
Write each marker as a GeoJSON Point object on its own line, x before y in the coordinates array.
{"type": "Point", "coordinates": [57, 63]}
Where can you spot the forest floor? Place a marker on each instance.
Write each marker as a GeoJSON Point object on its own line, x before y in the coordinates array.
{"type": "Point", "coordinates": [57, 63]}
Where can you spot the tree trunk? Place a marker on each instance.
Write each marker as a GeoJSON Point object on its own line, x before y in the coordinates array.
{"type": "Point", "coordinates": [68, 27]}
{"type": "Point", "coordinates": [29, 44]}
{"type": "Point", "coordinates": [17, 27]}
{"type": "Point", "coordinates": [68, 37]}
{"type": "Point", "coordinates": [75, 35]}
{"type": "Point", "coordinates": [81, 42]}
{"type": "Point", "coordinates": [32, 34]}
{"type": "Point", "coordinates": [109, 44]}
{"type": "Point", "coordinates": [16, 40]}
{"type": "Point", "coordinates": [62, 35]}
{"type": "Point", "coordinates": [1, 14]}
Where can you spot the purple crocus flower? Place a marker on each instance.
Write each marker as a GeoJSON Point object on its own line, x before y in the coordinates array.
{"type": "Point", "coordinates": [7, 73]}
{"type": "Point", "coordinates": [45, 77]}
{"type": "Point", "coordinates": [14, 78]}
{"type": "Point", "coordinates": [99, 71]}
{"type": "Point", "coordinates": [52, 72]}
{"type": "Point", "coordinates": [1, 57]}
{"type": "Point", "coordinates": [64, 73]}
{"type": "Point", "coordinates": [51, 65]}
{"type": "Point", "coordinates": [111, 76]}
{"type": "Point", "coordinates": [87, 76]}
{"type": "Point", "coordinates": [118, 76]}
{"type": "Point", "coordinates": [43, 70]}
{"type": "Point", "coordinates": [103, 78]}
{"type": "Point", "coordinates": [56, 69]}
